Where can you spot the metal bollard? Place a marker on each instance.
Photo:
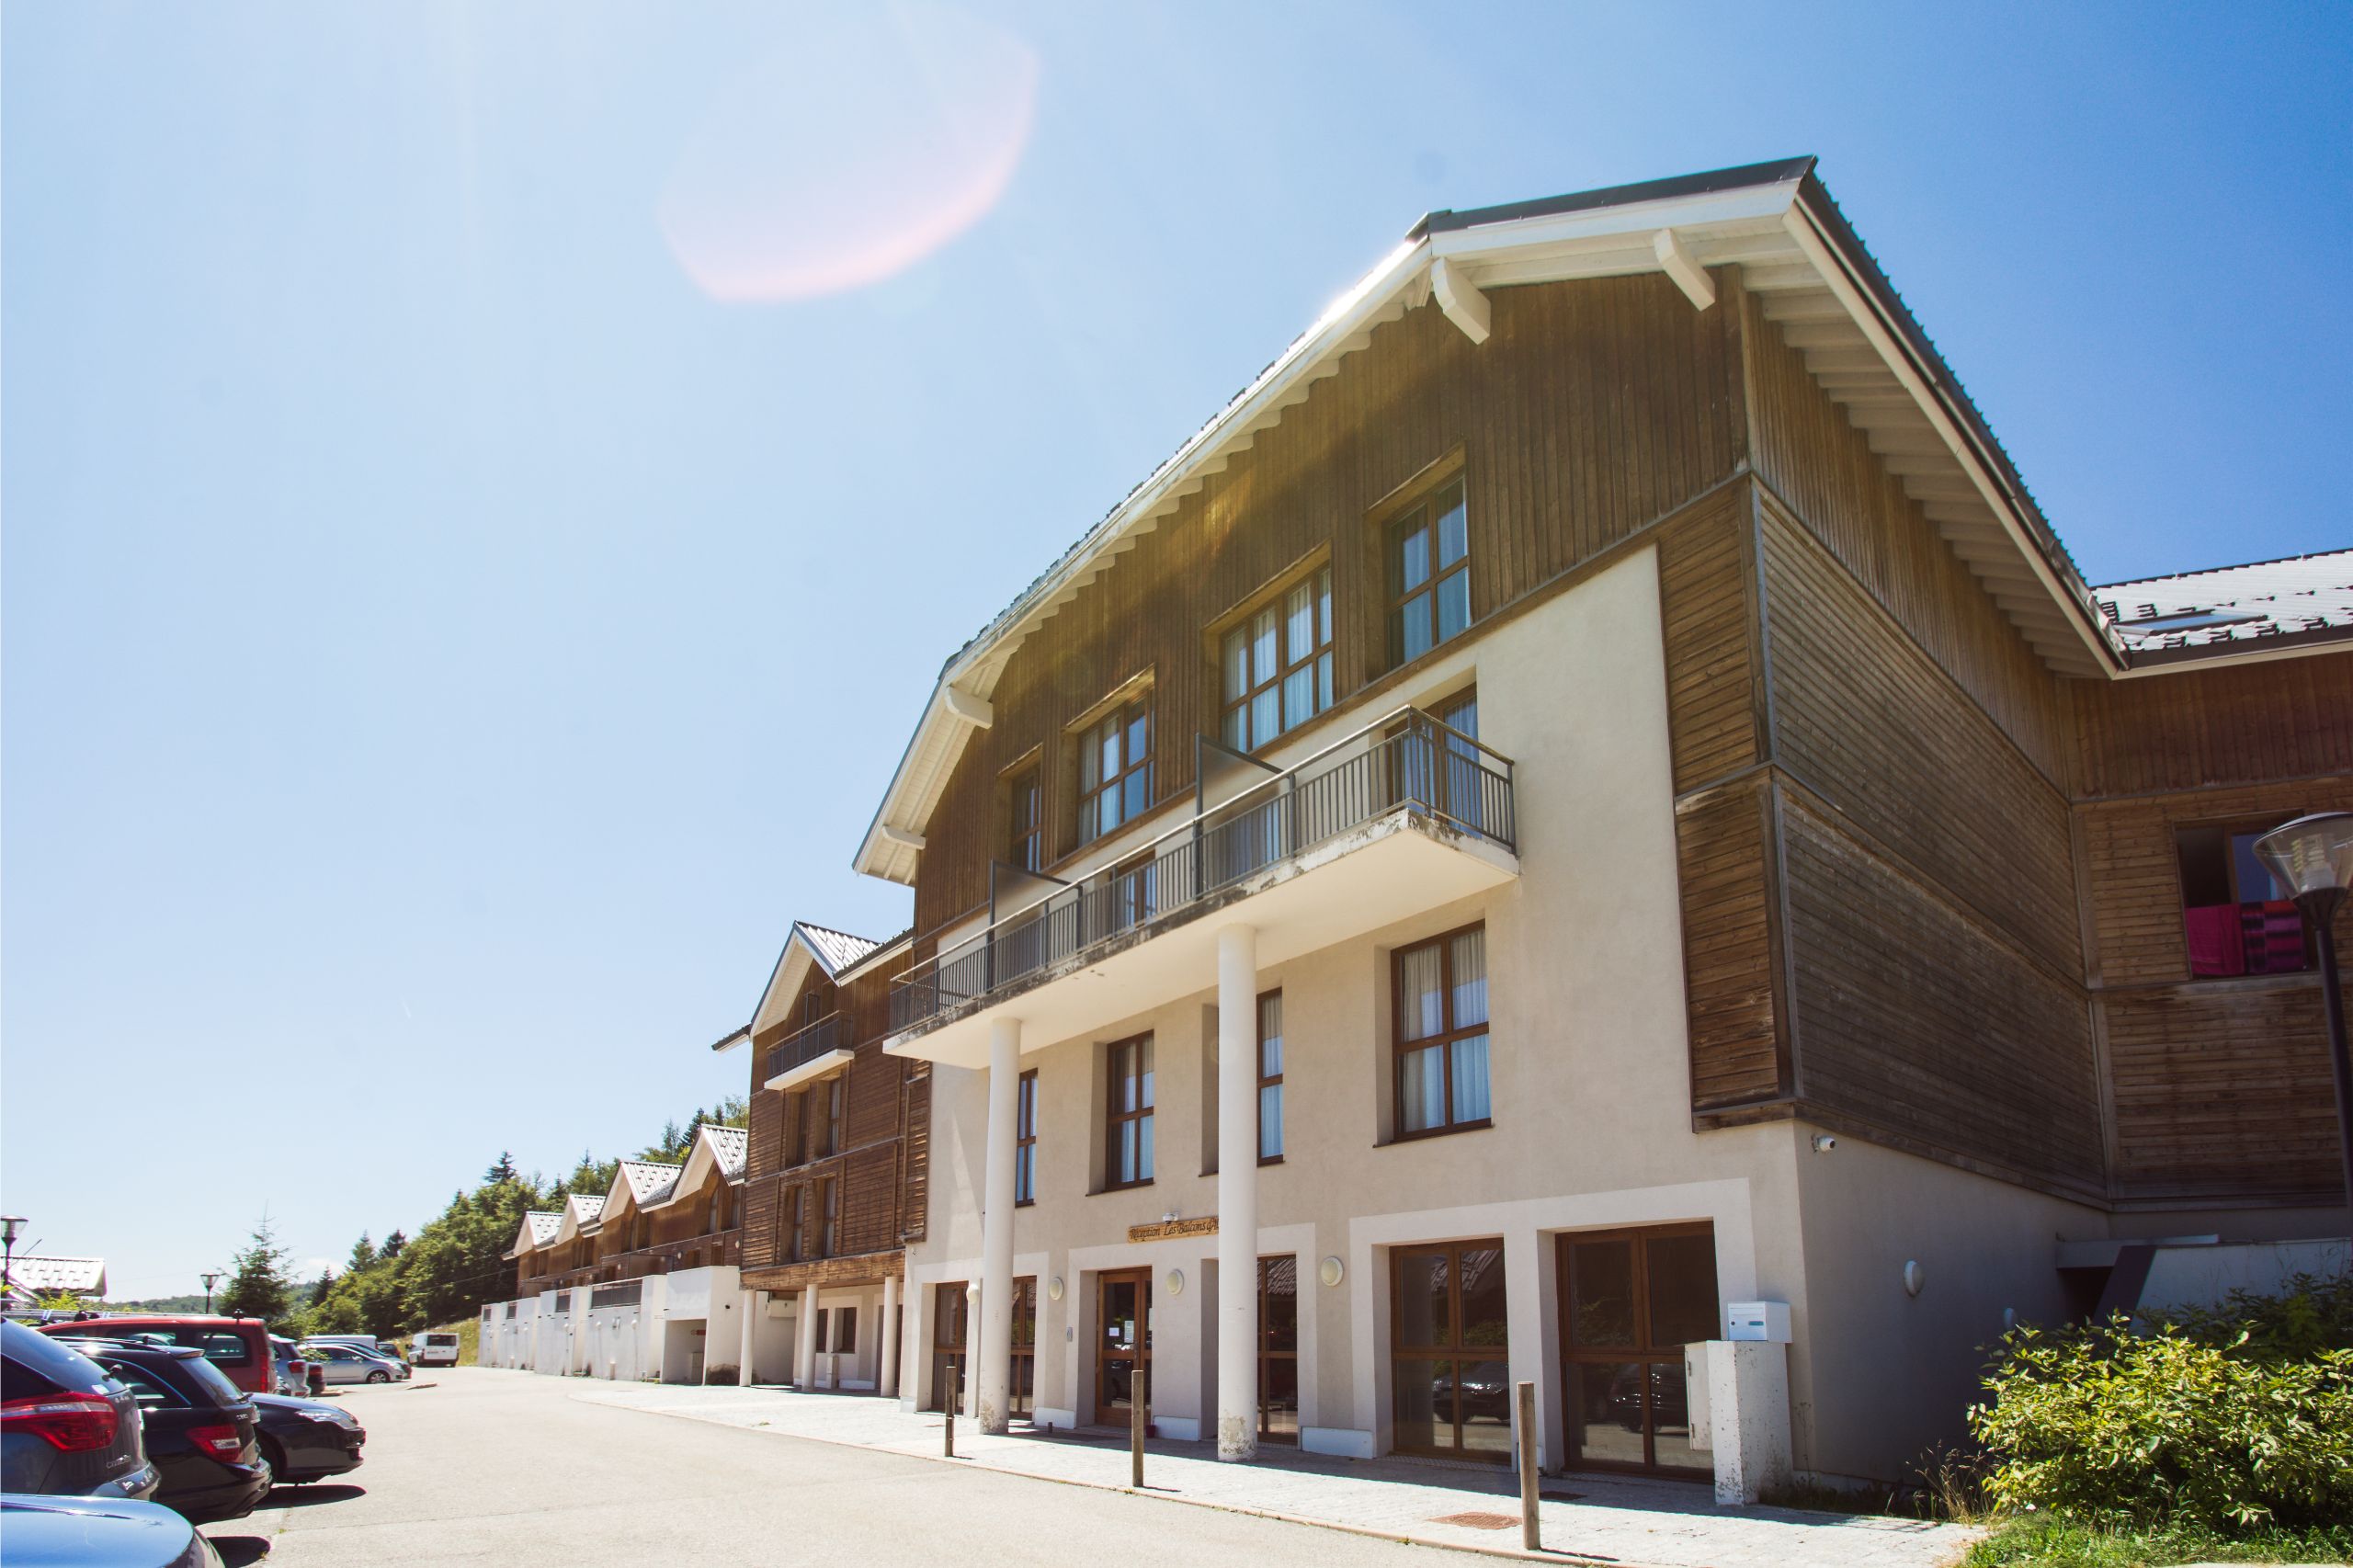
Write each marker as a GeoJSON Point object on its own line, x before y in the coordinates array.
{"type": "Point", "coordinates": [1531, 1484]}
{"type": "Point", "coordinates": [1135, 1427]}
{"type": "Point", "coordinates": [948, 1426]}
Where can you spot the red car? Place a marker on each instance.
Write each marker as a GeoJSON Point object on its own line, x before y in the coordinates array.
{"type": "Point", "coordinates": [239, 1346]}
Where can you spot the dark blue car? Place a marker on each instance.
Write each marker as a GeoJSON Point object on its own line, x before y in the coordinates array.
{"type": "Point", "coordinates": [66, 1426]}
{"type": "Point", "coordinates": [99, 1533]}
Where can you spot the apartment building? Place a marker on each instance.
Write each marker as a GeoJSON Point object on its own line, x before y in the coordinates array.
{"type": "Point", "coordinates": [1587, 798]}
{"type": "Point", "coordinates": [836, 1156]}
{"type": "Point", "coordinates": [640, 1284]}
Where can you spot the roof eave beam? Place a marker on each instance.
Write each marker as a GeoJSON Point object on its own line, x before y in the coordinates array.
{"type": "Point", "coordinates": [1462, 304]}
{"type": "Point", "coordinates": [963, 705]}
{"type": "Point", "coordinates": [1684, 267]}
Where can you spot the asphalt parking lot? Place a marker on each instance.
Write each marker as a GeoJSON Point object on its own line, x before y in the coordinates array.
{"type": "Point", "coordinates": [474, 1466]}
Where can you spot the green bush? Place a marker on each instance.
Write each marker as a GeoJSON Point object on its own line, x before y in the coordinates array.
{"type": "Point", "coordinates": [2309, 1315]}
{"type": "Point", "coordinates": [2106, 1424]}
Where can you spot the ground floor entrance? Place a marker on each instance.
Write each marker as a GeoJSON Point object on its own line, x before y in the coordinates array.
{"type": "Point", "coordinates": [1630, 1302]}
{"type": "Point", "coordinates": [1122, 1343]}
{"type": "Point", "coordinates": [1451, 1356]}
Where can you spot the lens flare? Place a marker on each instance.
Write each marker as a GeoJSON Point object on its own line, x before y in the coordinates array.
{"type": "Point", "coordinates": [878, 137]}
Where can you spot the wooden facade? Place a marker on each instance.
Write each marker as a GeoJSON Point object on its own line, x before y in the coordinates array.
{"type": "Point", "coordinates": [1927, 884]}
{"type": "Point", "coordinates": [878, 1166]}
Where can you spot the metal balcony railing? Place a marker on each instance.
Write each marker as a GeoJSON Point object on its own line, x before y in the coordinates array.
{"type": "Point", "coordinates": [1403, 763]}
{"type": "Point", "coordinates": [804, 1045]}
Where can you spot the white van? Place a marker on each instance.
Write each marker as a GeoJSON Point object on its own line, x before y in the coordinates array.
{"type": "Point", "coordinates": [434, 1349]}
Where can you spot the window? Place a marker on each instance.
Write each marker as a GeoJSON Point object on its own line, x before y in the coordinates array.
{"type": "Point", "coordinates": [796, 1128]}
{"type": "Point", "coordinates": [950, 1316]}
{"type": "Point", "coordinates": [1024, 820]}
{"type": "Point", "coordinates": [1277, 665]}
{"type": "Point", "coordinates": [1127, 1142]}
{"type": "Point", "coordinates": [796, 1233]}
{"type": "Point", "coordinates": [716, 1220]}
{"type": "Point", "coordinates": [1114, 770]}
{"type": "Point", "coordinates": [1429, 574]}
{"type": "Point", "coordinates": [1451, 1352]}
{"type": "Point", "coordinates": [1630, 1302]}
{"type": "Point", "coordinates": [2236, 919]}
{"type": "Point", "coordinates": [829, 1214]}
{"type": "Point", "coordinates": [1025, 1139]}
{"type": "Point", "coordinates": [833, 1089]}
{"type": "Point", "coordinates": [1024, 1393]}
{"type": "Point", "coordinates": [1279, 1349]}
{"type": "Point", "coordinates": [1270, 1077]}
{"type": "Point", "coordinates": [1439, 1032]}
{"type": "Point", "coordinates": [845, 1330]}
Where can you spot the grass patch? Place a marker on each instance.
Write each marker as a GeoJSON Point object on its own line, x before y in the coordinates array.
{"type": "Point", "coordinates": [2063, 1543]}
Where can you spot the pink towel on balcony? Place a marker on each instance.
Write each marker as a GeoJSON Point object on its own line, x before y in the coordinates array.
{"type": "Point", "coordinates": [2273, 934]}
{"type": "Point", "coordinates": [2217, 946]}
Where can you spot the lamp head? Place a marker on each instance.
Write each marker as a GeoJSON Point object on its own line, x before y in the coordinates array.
{"type": "Point", "coordinates": [8, 1224]}
{"type": "Point", "coordinates": [2312, 858]}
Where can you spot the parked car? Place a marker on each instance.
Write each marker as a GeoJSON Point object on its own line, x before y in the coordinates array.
{"type": "Point", "coordinates": [239, 1346]}
{"type": "Point", "coordinates": [99, 1533]}
{"type": "Point", "coordinates": [357, 1341]}
{"type": "Point", "coordinates": [202, 1431]}
{"type": "Point", "coordinates": [436, 1350]}
{"type": "Point", "coordinates": [308, 1439]}
{"type": "Point", "coordinates": [343, 1364]}
{"type": "Point", "coordinates": [289, 1373]}
{"type": "Point", "coordinates": [67, 1428]}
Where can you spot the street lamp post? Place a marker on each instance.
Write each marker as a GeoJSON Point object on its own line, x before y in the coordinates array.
{"type": "Point", "coordinates": [8, 1224]}
{"type": "Point", "coordinates": [2312, 858]}
{"type": "Point", "coordinates": [208, 1279]}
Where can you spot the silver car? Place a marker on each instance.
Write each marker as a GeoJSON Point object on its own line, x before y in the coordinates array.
{"type": "Point", "coordinates": [347, 1364]}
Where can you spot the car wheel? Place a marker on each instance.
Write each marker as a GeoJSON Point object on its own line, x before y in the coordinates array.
{"type": "Point", "coordinates": [380, 1377]}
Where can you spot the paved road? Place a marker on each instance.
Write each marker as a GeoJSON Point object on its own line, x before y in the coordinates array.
{"type": "Point", "coordinates": [505, 1468]}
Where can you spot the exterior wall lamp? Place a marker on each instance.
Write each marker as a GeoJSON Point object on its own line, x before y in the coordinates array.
{"type": "Point", "coordinates": [2312, 858]}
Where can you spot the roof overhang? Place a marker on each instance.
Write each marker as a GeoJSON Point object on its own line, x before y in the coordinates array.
{"type": "Point", "coordinates": [1812, 276]}
{"type": "Point", "coordinates": [701, 1160]}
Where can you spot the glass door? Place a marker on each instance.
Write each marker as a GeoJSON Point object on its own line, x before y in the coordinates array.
{"type": "Point", "coordinates": [1122, 1343]}
{"type": "Point", "coordinates": [1279, 1349]}
{"type": "Point", "coordinates": [1024, 1404]}
{"type": "Point", "coordinates": [1451, 1352]}
{"type": "Point", "coordinates": [1630, 1302]}
{"type": "Point", "coordinates": [948, 1311]}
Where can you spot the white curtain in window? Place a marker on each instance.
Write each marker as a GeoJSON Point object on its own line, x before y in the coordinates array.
{"type": "Point", "coordinates": [1418, 1011]}
{"type": "Point", "coordinates": [1470, 978]}
{"type": "Point", "coordinates": [1470, 1098]}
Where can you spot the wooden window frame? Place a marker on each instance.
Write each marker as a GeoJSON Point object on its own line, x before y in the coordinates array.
{"type": "Point", "coordinates": [1458, 1349]}
{"type": "Point", "coordinates": [1025, 1139]}
{"type": "Point", "coordinates": [2228, 828]}
{"type": "Point", "coordinates": [1124, 713]}
{"type": "Point", "coordinates": [1638, 1351]}
{"type": "Point", "coordinates": [1270, 1080]}
{"type": "Point", "coordinates": [845, 1335]}
{"type": "Point", "coordinates": [796, 1128]}
{"type": "Point", "coordinates": [1266, 1354]}
{"type": "Point", "coordinates": [1116, 1116]}
{"type": "Point", "coordinates": [1419, 509]}
{"type": "Point", "coordinates": [1288, 661]}
{"type": "Point", "coordinates": [796, 1229]}
{"type": "Point", "coordinates": [1024, 842]}
{"type": "Point", "coordinates": [837, 1112]}
{"type": "Point", "coordinates": [1443, 1041]}
{"type": "Point", "coordinates": [829, 1214]}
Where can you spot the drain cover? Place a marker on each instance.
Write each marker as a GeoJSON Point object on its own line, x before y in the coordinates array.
{"type": "Point", "coordinates": [1479, 1521]}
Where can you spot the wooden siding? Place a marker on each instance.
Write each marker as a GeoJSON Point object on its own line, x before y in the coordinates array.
{"type": "Point", "coordinates": [2197, 729]}
{"type": "Point", "coordinates": [1826, 471]}
{"type": "Point", "coordinates": [1915, 1019]}
{"type": "Point", "coordinates": [1863, 718]}
{"type": "Point", "coordinates": [1593, 408]}
{"type": "Point", "coordinates": [2223, 1090]}
{"type": "Point", "coordinates": [1731, 957]}
{"type": "Point", "coordinates": [1714, 672]}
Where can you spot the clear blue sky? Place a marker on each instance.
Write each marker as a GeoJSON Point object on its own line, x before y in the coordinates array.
{"type": "Point", "coordinates": [487, 487]}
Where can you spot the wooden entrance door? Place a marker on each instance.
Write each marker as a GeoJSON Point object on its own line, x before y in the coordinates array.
{"type": "Point", "coordinates": [1630, 1302]}
{"type": "Point", "coordinates": [1122, 1343]}
{"type": "Point", "coordinates": [949, 1327]}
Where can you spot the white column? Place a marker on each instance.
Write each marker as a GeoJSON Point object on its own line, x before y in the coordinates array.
{"type": "Point", "coordinates": [992, 1369]}
{"type": "Point", "coordinates": [752, 1305]}
{"type": "Point", "coordinates": [886, 1377]}
{"type": "Point", "coordinates": [1237, 1193]}
{"type": "Point", "coordinates": [804, 1352]}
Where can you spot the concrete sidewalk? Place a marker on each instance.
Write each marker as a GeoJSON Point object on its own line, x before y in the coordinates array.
{"type": "Point", "coordinates": [1657, 1523]}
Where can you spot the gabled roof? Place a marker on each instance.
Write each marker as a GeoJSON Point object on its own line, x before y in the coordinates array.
{"type": "Point", "coordinates": [2263, 605]}
{"type": "Point", "coordinates": [715, 1148]}
{"type": "Point", "coordinates": [538, 1229]}
{"type": "Point", "coordinates": [805, 944]}
{"type": "Point", "coordinates": [83, 1276]}
{"type": "Point", "coordinates": [643, 1182]}
{"type": "Point", "coordinates": [1810, 274]}
{"type": "Point", "coordinates": [581, 1211]}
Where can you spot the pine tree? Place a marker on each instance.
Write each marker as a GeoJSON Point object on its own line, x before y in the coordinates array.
{"type": "Point", "coordinates": [325, 1283]}
{"type": "Point", "coordinates": [363, 1254]}
{"type": "Point", "coordinates": [257, 1287]}
{"type": "Point", "coordinates": [504, 1171]}
{"type": "Point", "coordinates": [391, 1247]}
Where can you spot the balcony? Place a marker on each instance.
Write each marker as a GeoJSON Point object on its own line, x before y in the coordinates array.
{"type": "Point", "coordinates": [1402, 815]}
{"type": "Point", "coordinates": [808, 1052]}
